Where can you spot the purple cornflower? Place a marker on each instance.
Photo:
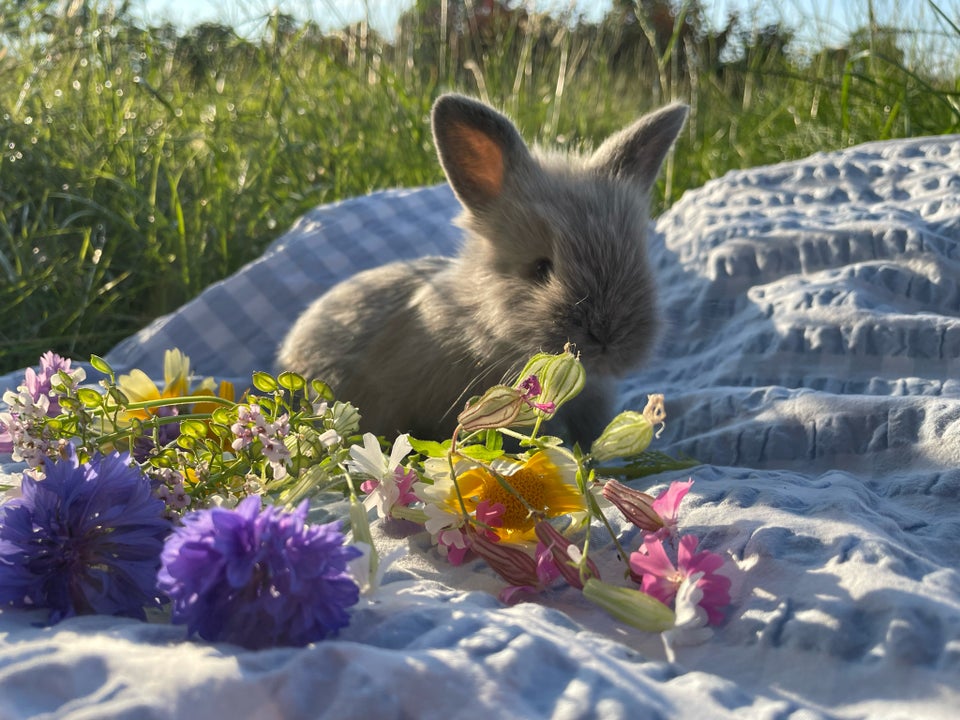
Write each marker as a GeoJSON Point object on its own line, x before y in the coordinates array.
{"type": "Point", "coordinates": [258, 578]}
{"type": "Point", "coordinates": [85, 539]}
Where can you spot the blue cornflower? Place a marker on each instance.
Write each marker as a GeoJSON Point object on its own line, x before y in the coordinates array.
{"type": "Point", "coordinates": [258, 578]}
{"type": "Point", "coordinates": [85, 539]}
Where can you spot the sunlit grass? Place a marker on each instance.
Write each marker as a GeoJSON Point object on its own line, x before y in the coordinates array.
{"type": "Point", "coordinates": [140, 165]}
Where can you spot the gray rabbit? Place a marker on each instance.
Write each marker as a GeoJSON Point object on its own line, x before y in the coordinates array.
{"type": "Point", "coordinates": [554, 252]}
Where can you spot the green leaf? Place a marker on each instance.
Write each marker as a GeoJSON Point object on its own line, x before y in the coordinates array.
{"type": "Point", "coordinates": [223, 416]}
{"type": "Point", "coordinates": [481, 452]}
{"type": "Point", "coordinates": [193, 428]}
{"type": "Point", "coordinates": [264, 382]}
{"type": "Point", "coordinates": [89, 397]}
{"type": "Point", "coordinates": [323, 391]}
{"type": "Point", "coordinates": [494, 440]}
{"type": "Point", "coordinates": [430, 448]}
{"type": "Point", "coordinates": [187, 442]}
{"type": "Point", "coordinates": [650, 462]}
{"type": "Point", "coordinates": [70, 404]}
{"type": "Point", "coordinates": [267, 405]}
{"type": "Point", "coordinates": [291, 381]}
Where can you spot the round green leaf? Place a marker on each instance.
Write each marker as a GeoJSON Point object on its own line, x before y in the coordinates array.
{"type": "Point", "coordinates": [89, 397]}
{"type": "Point", "coordinates": [291, 381]}
{"type": "Point", "coordinates": [264, 382]}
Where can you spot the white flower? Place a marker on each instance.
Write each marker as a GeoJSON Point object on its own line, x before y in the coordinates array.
{"type": "Point", "coordinates": [387, 482]}
{"type": "Point", "coordinates": [439, 518]}
{"type": "Point", "coordinates": [690, 627]}
{"type": "Point", "coordinates": [370, 461]}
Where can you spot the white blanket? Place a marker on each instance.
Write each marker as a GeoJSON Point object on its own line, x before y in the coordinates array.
{"type": "Point", "coordinates": [811, 363]}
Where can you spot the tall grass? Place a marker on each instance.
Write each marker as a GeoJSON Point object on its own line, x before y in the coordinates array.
{"type": "Point", "coordinates": [140, 164]}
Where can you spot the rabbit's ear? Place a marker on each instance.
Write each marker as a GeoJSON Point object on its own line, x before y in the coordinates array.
{"type": "Point", "coordinates": [478, 148]}
{"type": "Point", "coordinates": [638, 151]}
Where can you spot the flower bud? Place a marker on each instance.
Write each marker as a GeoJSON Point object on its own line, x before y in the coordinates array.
{"type": "Point", "coordinates": [559, 548]}
{"type": "Point", "coordinates": [628, 434]}
{"type": "Point", "coordinates": [561, 379]}
{"type": "Point", "coordinates": [498, 407]}
{"type": "Point", "coordinates": [636, 506]}
{"type": "Point", "coordinates": [360, 527]}
{"type": "Point", "coordinates": [508, 561]}
{"type": "Point", "coordinates": [630, 606]}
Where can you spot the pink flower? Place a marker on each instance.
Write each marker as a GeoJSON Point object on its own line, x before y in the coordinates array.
{"type": "Point", "coordinates": [654, 515]}
{"type": "Point", "coordinates": [531, 388]}
{"type": "Point", "coordinates": [668, 503]}
{"type": "Point", "coordinates": [565, 555]}
{"type": "Point", "coordinates": [660, 579]}
{"type": "Point", "coordinates": [453, 543]}
{"type": "Point", "coordinates": [490, 515]}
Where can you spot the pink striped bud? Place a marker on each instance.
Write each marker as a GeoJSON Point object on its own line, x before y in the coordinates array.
{"type": "Point", "coordinates": [508, 561]}
{"type": "Point", "coordinates": [636, 506]}
{"type": "Point", "coordinates": [563, 559]}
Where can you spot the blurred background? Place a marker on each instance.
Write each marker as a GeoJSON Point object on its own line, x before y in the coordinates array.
{"type": "Point", "coordinates": [152, 148]}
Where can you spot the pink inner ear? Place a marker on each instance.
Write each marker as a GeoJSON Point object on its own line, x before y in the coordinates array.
{"type": "Point", "coordinates": [480, 159]}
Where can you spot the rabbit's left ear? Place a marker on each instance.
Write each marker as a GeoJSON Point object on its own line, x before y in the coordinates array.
{"type": "Point", "coordinates": [637, 152]}
{"type": "Point", "coordinates": [478, 149]}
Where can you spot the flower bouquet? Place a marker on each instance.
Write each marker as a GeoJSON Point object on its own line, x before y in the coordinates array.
{"type": "Point", "coordinates": [192, 503]}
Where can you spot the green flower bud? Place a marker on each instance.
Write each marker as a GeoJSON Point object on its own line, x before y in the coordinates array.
{"type": "Point", "coordinates": [628, 434]}
{"type": "Point", "coordinates": [360, 527]}
{"type": "Point", "coordinates": [630, 606]}
{"type": "Point", "coordinates": [561, 379]}
{"type": "Point", "coordinates": [498, 407]}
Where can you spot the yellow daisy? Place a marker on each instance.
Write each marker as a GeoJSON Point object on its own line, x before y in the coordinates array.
{"type": "Point", "coordinates": [537, 488]}
{"type": "Point", "coordinates": [138, 387]}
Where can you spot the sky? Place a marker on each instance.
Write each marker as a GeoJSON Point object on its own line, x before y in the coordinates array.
{"type": "Point", "coordinates": [818, 22]}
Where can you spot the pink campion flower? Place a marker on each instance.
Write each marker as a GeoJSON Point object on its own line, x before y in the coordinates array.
{"type": "Point", "coordinates": [660, 579]}
{"type": "Point", "coordinates": [452, 542]}
{"type": "Point", "coordinates": [667, 505]}
{"type": "Point", "coordinates": [547, 573]}
{"type": "Point", "coordinates": [531, 388]}
{"type": "Point", "coordinates": [565, 555]}
{"type": "Point", "coordinates": [547, 569]}
{"type": "Point", "coordinates": [491, 515]}
{"type": "Point", "coordinates": [653, 515]}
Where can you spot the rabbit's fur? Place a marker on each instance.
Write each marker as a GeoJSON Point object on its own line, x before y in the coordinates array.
{"type": "Point", "coordinates": [554, 252]}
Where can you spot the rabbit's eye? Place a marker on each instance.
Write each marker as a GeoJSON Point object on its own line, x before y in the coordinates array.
{"type": "Point", "coordinates": [542, 270]}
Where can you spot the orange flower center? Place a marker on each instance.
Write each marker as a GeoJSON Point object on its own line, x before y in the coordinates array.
{"type": "Point", "coordinates": [535, 489]}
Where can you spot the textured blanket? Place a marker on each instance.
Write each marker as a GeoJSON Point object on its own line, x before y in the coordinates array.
{"type": "Point", "coordinates": [811, 363]}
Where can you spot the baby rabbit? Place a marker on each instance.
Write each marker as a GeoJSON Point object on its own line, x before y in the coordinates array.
{"type": "Point", "coordinates": [554, 252]}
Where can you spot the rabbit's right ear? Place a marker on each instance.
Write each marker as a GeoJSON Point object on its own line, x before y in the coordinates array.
{"type": "Point", "coordinates": [478, 148]}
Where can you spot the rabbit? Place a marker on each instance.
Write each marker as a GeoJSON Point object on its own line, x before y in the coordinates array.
{"type": "Point", "coordinates": [553, 253]}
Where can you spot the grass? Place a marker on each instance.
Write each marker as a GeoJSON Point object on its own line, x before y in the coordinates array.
{"type": "Point", "coordinates": [141, 164]}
